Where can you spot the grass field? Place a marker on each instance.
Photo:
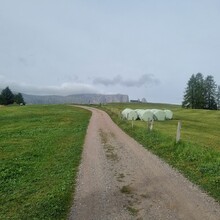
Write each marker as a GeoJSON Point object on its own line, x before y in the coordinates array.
{"type": "Point", "coordinates": [40, 152]}
{"type": "Point", "coordinates": [197, 155]}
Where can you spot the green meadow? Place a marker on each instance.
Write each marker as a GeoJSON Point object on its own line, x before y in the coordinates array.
{"type": "Point", "coordinates": [197, 155]}
{"type": "Point", "coordinates": [41, 149]}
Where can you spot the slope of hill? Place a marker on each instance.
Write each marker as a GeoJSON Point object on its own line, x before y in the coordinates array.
{"type": "Point", "coordinates": [77, 99]}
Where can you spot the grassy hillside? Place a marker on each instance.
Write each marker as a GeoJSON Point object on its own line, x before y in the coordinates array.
{"type": "Point", "coordinates": [40, 152]}
{"type": "Point", "coordinates": [197, 155]}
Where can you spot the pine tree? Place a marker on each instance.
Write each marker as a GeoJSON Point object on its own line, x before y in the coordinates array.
{"type": "Point", "coordinates": [218, 97]}
{"type": "Point", "coordinates": [188, 100]}
{"type": "Point", "coordinates": [200, 93]}
{"type": "Point", "coordinates": [194, 93]}
{"type": "Point", "coordinates": [210, 93]}
{"type": "Point", "coordinates": [7, 96]}
{"type": "Point", "coordinates": [18, 98]}
{"type": "Point", "coordinates": [199, 98]}
{"type": "Point", "coordinates": [1, 100]}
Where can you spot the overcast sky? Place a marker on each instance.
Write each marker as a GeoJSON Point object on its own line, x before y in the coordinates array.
{"type": "Point", "coordinates": [142, 48]}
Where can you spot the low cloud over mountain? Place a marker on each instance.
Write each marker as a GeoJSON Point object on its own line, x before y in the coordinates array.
{"type": "Point", "coordinates": [63, 89]}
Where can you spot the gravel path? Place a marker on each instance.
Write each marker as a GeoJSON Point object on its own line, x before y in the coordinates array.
{"type": "Point", "coordinates": [119, 179]}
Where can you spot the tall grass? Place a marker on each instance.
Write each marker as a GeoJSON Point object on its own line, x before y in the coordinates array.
{"type": "Point", "coordinates": [197, 155]}
{"type": "Point", "coordinates": [40, 152]}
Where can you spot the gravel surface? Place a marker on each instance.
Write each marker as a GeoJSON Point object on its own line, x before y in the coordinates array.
{"type": "Point", "coordinates": [119, 179]}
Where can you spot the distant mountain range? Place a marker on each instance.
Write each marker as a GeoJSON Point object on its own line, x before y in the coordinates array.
{"type": "Point", "coordinates": [77, 99]}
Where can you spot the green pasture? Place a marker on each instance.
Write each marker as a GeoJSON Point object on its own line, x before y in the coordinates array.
{"type": "Point", "coordinates": [40, 152]}
{"type": "Point", "coordinates": [197, 155]}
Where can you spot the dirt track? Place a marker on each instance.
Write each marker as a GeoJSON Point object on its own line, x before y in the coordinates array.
{"type": "Point", "coordinates": [119, 179]}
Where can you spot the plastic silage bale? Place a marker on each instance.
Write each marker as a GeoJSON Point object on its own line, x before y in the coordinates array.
{"type": "Point", "coordinates": [129, 114]}
{"type": "Point", "coordinates": [138, 111]}
{"type": "Point", "coordinates": [138, 114]}
{"type": "Point", "coordinates": [145, 114]}
{"type": "Point", "coordinates": [168, 114]}
{"type": "Point", "coordinates": [159, 115]}
{"type": "Point", "coordinates": [124, 113]}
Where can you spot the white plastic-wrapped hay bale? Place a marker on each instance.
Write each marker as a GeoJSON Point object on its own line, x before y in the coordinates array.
{"type": "Point", "coordinates": [168, 114]}
{"type": "Point", "coordinates": [137, 111]}
{"type": "Point", "coordinates": [145, 114]}
{"type": "Point", "coordinates": [159, 115]}
{"type": "Point", "coordinates": [129, 114]}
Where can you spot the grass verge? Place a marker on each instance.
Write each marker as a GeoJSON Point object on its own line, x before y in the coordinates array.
{"type": "Point", "coordinates": [40, 152]}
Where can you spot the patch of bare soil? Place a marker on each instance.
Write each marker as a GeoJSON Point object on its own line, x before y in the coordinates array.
{"type": "Point", "coordinates": [119, 179]}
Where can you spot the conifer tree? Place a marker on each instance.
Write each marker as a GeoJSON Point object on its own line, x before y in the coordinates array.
{"type": "Point", "coordinates": [218, 97]}
{"type": "Point", "coordinates": [199, 98]}
{"type": "Point", "coordinates": [210, 93]}
{"type": "Point", "coordinates": [18, 98]}
{"type": "Point", "coordinates": [188, 100]}
{"type": "Point", "coordinates": [200, 93]}
{"type": "Point", "coordinates": [7, 97]}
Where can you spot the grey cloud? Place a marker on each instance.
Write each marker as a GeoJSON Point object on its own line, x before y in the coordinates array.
{"type": "Point", "coordinates": [23, 60]}
{"type": "Point", "coordinates": [108, 82]}
{"type": "Point", "coordinates": [118, 80]}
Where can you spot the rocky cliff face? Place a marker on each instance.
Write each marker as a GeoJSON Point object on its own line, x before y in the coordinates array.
{"type": "Point", "coordinates": [77, 99]}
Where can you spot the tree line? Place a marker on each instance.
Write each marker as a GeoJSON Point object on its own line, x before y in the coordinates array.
{"type": "Point", "coordinates": [7, 97]}
{"type": "Point", "coordinates": [201, 93]}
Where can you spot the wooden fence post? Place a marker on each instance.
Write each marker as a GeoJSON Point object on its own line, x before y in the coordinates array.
{"type": "Point", "coordinates": [178, 131]}
{"type": "Point", "coordinates": [148, 124]}
{"type": "Point", "coordinates": [151, 124]}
